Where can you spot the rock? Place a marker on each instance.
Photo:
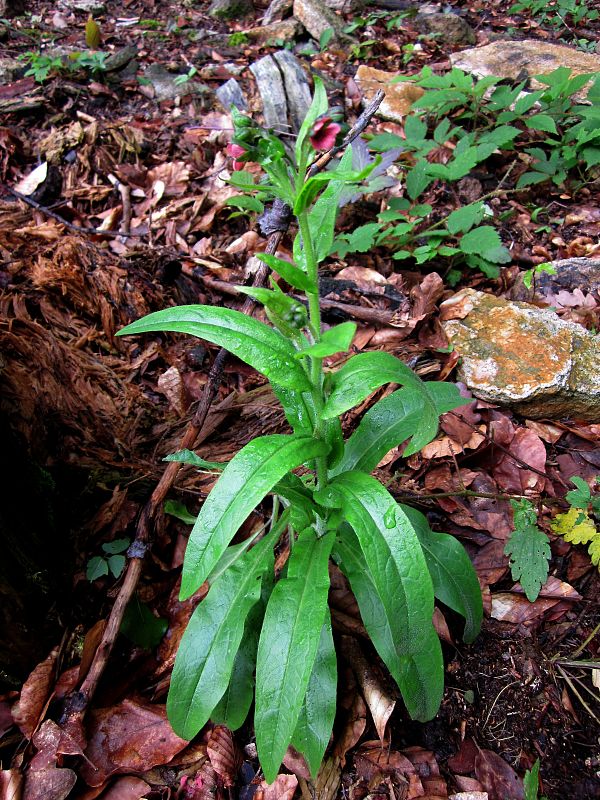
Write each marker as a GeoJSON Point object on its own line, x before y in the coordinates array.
{"type": "Point", "coordinates": [10, 69]}
{"type": "Point", "coordinates": [571, 273]}
{"type": "Point", "coordinates": [229, 9]}
{"type": "Point", "coordinates": [318, 18]}
{"type": "Point", "coordinates": [93, 7]}
{"type": "Point", "coordinates": [277, 10]}
{"type": "Point", "coordinates": [120, 59]}
{"type": "Point", "coordinates": [517, 355]}
{"type": "Point", "coordinates": [510, 59]}
{"type": "Point", "coordinates": [287, 31]}
{"type": "Point", "coordinates": [230, 94]}
{"type": "Point", "coordinates": [398, 96]}
{"type": "Point", "coordinates": [284, 90]}
{"type": "Point", "coordinates": [165, 85]}
{"type": "Point", "coordinates": [450, 28]}
{"type": "Point", "coordinates": [346, 6]}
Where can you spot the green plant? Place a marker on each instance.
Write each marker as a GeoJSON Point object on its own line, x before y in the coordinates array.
{"type": "Point", "coordinates": [557, 13]}
{"type": "Point", "coordinates": [237, 39]}
{"type": "Point", "coordinates": [113, 561]}
{"type": "Point", "coordinates": [150, 24]}
{"type": "Point", "coordinates": [531, 782]}
{"type": "Point", "coordinates": [332, 509]}
{"type": "Point", "coordinates": [530, 275]}
{"type": "Point", "coordinates": [528, 548]}
{"type": "Point", "coordinates": [579, 525]}
{"type": "Point", "coordinates": [43, 66]}
{"type": "Point", "coordinates": [181, 80]}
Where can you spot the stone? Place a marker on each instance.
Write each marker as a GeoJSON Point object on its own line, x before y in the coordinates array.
{"type": "Point", "coordinates": [450, 28]}
{"type": "Point", "coordinates": [230, 94]}
{"type": "Point", "coordinates": [165, 86]}
{"type": "Point", "coordinates": [277, 10]}
{"type": "Point", "coordinates": [10, 69]}
{"type": "Point", "coordinates": [284, 90]}
{"type": "Point", "coordinates": [318, 18]}
{"type": "Point", "coordinates": [93, 7]}
{"type": "Point", "coordinates": [346, 6]}
{"type": "Point", "coordinates": [571, 273]}
{"type": "Point", "coordinates": [120, 59]}
{"type": "Point", "coordinates": [512, 59]}
{"type": "Point", "coordinates": [398, 96]}
{"type": "Point", "coordinates": [517, 355]}
{"type": "Point", "coordinates": [286, 31]}
{"type": "Point", "coordinates": [229, 9]}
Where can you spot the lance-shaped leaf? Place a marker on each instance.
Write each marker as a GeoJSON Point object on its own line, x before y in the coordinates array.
{"type": "Point", "coordinates": [289, 272]}
{"type": "Point", "coordinates": [364, 373]}
{"type": "Point", "coordinates": [454, 578]}
{"type": "Point", "coordinates": [393, 419]}
{"type": "Point", "coordinates": [317, 714]}
{"type": "Point", "coordinates": [399, 571]}
{"type": "Point", "coordinates": [288, 647]}
{"type": "Point", "coordinates": [246, 480]}
{"type": "Point", "coordinates": [335, 340]}
{"type": "Point", "coordinates": [211, 640]}
{"type": "Point", "coordinates": [252, 341]}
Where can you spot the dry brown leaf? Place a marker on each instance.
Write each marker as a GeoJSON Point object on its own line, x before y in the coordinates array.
{"type": "Point", "coordinates": [130, 737]}
{"type": "Point", "coordinates": [466, 784]}
{"type": "Point", "coordinates": [282, 788]}
{"type": "Point", "coordinates": [30, 183]}
{"type": "Point", "coordinates": [296, 763]}
{"type": "Point", "coordinates": [445, 447]}
{"type": "Point", "coordinates": [510, 475]}
{"type": "Point", "coordinates": [497, 777]}
{"type": "Point", "coordinates": [378, 700]}
{"type": "Point", "coordinates": [490, 563]}
{"type": "Point", "coordinates": [171, 385]}
{"type": "Point", "coordinates": [28, 709]}
{"type": "Point", "coordinates": [464, 760]}
{"type": "Point", "coordinates": [354, 727]}
{"type": "Point", "coordinates": [44, 780]}
{"type": "Point", "coordinates": [11, 784]}
{"type": "Point", "coordinates": [223, 754]}
{"type": "Point", "coordinates": [469, 796]}
{"type": "Point", "coordinates": [127, 788]}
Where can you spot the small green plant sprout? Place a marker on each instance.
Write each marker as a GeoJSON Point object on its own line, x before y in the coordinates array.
{"type": "Point", "coordinates": [530, 275]}
{"type": "Point", "coordinates": [579, 525]}
{"type": "Point", "coordinates": [181, 80]}
{"type": "Point", "coordinates": [238, 39]}
{"type": "Point", "coordinates": [265, 640]}
{"type": "Point", "coordinates": [528, 548]}
{"type": "Point", "coordinates": [112, 561]}
{"type": "Point", "coordinates": [44, 66]}
{"type": "Point", "coordinates": [531, 783]}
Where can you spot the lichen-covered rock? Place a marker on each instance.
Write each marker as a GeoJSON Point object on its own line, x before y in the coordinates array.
{"type": "Point", "coordinates": [569, 274]}
{"type": "Point", "coordinates": [450, 28]}
{"type": "Point", "coordinates": [512, 59]}
{"type": "Point", "coordinates": [286, 31]}
{"type": "Point", "coordinates": [229, 9]}
{"type": "Point", "coordinates": [517, 355]}
{"type": "Point", "coordinates": [398, 96]}
{"type": "Point", "coordinates": [318, 18]}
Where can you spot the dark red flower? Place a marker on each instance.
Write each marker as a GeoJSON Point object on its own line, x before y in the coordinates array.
{"type": "Point", "coordinates": [236, 151]}
{"type": "Point", "coordinates": [324, 133]}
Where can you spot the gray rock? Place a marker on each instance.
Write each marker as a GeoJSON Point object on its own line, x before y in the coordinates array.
{"type": "Point", "coordinates": [229, 9]}
{"type": "Point", "coordinates": [345, 6]}
{"type": "Point", "coordinates": [270, 85]}
{"type": "Point", "coordinates": [317, 18]}
{"type": "Point", "coordinates": [297, 89]}
{"type": "Point", "coordinates": [450, 28]}
{"type": "Point", "coordinates": [120, 59]}
{"type": "Point", "coordinates": [87, 6]}
{"type": "Point", "coordinates": [165, 85]}
{"type": "Point", "coordinates": [287, 31]}
{"type": "Point", "coordinates": [571, 273]}
{"type": "Point", "coordinates": [10, 69]}
{"type": "Point", "coordinates": [230, 94]}
{"type": "Point", "coordinates": [524, 357]}
{"type": "Point", "coordinates": [510, 59]}
{"type": "Point", "coordinates": [277, 10]}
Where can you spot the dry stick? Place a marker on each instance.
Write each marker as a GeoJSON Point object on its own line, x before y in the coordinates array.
{"type": "Point", "coordinates": [78, 228]}
{"type": "Point", "coordinates": [76, 706]}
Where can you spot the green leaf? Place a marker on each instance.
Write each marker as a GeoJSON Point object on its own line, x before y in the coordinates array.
{"type": "Point", "coordinates": [323, 215]}
{"type": "Point", "coordinates": [317, 108]}
{"type": "Point", "coordinates": [246, 480]}
{"type": "Point", "coordinates": [399, 572]}
{"type": "Point", "coordinates": [454, 579]}
{"type": "Point", "coordinates": [335, 340]}
{"type": "Point", "coordinates": [463, 219]}
{"type": "Point", "coordinates": [417, 180]}
{"type": "Point", "coordinates": [189, 457]}
{"type": "Point", "coordinates": [393, 419]}
{"type": "Point", "coordinates": [529, 550]}
{"type": "Point", "coordinates": [288, 646]}
{"type": "Point", "coordinates": [531, 781]}
{"type": "Point", "coordinates": [141, 626]}
{"type": "Point", "coordinates": [245, 201]}
{"type": "Point", "coordinates": [97, 567]}
{"type": "Point", "coordinates": [485, 242]}
{"type": "Point", "coordinates": [211, 640]}
{"type": "Point", "coordinates": [361, 375]}
{"type": "Point", "coordinates": [581, 496]}
{"type": "Point", "coordinates": [325, 38]}
{"type": "Point", "coordinates": [382, 142]}
{"type": "Point", "coordinates": [542, 122]}
{"type": "Point", "coordinates": [116, 546]}
{"type": "Point", "coordinates": [317, 714]}
{"type": "Point", "coordinates": [250, 340]}
{"type": "Point", "coordinates": [289, 272]}
{"type": "Point", "coordinates": [116, 564]}
{"type": "Point", "coordinates": [179, 511]}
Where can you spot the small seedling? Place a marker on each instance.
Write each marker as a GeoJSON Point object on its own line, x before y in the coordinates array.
{"type": "Point", "coordinates": [113, 561]}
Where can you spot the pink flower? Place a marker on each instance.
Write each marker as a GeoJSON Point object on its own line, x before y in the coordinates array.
{"type": "Point", "coordinates": [324, 133]}
{"type": "Point", "coordinates": [236, 151]}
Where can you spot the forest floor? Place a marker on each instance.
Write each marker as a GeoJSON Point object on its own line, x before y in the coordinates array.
{"type": "Point", "coordinates": [87, 419]}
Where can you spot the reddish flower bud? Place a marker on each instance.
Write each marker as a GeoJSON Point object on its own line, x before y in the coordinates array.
{"type": "Point", "coordinates": [236, 151]}
{"type": "Point", "coordinates": [324, 133]}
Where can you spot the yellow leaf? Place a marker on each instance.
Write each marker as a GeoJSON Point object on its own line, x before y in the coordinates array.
{"type": "Point", "coordinates": [594, 551]}
{"type": "Point", "coordinates": [92, 33]}
{"type": "Point", "coordinates": [575, 526]}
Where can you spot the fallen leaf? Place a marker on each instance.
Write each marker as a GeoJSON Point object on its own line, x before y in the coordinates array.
{"type": "Point", "coordinates": [11, 784]}
{"type": "Point", "coordinates": [498, 778]}
{"type": "Point", "coordinates": [378, 700]}
{"type": "Point", "coordinates": [131, 737]}
{"type": "Point", "coordinates": [30, 183]}
{"type": "Point", "coordinates": [282, 788]}
{"type": "Point", "coordinates": [28, 709]}
{"type": "Point", "coordinates": [128, 788]}
{"type": "Point", "coordinates": [510, 475]}
{"type": "Point", "coordinates": [464, 760]}
{"type": "Point", "coordinates": [223, 754]}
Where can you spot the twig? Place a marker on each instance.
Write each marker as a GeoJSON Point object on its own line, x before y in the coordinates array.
{"type": "Point", "coordinates": [78, 228]}
{"type": "Point", "coordinates": [77, 703]}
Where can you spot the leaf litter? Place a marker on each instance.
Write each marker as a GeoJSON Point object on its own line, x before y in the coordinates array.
{"type": "Point", "coordinates": [110, 408]}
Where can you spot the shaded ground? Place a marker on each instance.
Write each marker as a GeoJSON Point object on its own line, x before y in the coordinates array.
{"type": "Point", "coordinates": [96, 414]}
